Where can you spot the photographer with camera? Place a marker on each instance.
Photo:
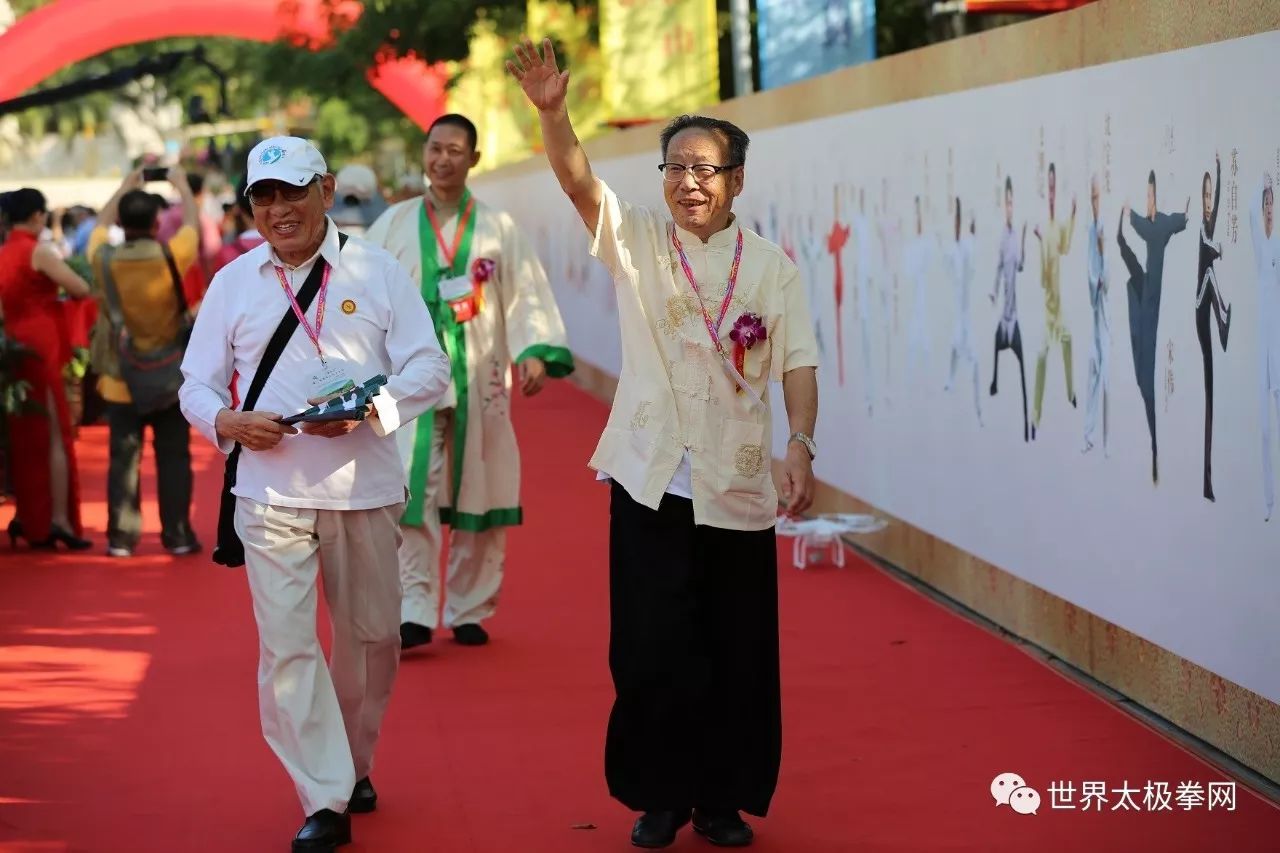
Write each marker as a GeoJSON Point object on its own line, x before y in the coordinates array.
{"type": "Point", "coordinates": [137, 348]}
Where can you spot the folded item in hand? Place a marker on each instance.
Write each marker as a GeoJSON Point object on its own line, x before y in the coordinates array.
{"type": "Point", "coordinates": [350, 406]}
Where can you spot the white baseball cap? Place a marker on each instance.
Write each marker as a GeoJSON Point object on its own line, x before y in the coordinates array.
{"type": "Point", "coordinates": [284, 158]}
{"type": "Point", "coordinates": [357, 180]}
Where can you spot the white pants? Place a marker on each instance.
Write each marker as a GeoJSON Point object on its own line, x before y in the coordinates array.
{"type": "Point", "coordinates": [962, 351]}
{"type": "Point", "coordinates": [1099, 385]}
{"type": "Point", "coordinates": [323, 723]}
{"type": "Point", "coordinates": [475, 559]}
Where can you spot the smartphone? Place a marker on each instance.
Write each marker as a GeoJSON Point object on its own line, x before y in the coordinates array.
{"type": "Point", "coordinates": [155, 173]}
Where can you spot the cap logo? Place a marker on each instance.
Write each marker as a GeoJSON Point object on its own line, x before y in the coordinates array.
{"type": "Point", "coordinates": [271, 154]}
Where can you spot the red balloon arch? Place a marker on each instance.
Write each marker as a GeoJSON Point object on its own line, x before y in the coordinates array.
{"type": "Point", "coordinates": [68, 31]}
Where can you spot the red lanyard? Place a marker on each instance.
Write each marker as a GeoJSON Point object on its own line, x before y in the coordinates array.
{"type": "Point", "coordinates": [314, 334]}
{"type": "Point", "coordinates": [450, 253]}
{"type": "Point", "coordinates": [712, 329]}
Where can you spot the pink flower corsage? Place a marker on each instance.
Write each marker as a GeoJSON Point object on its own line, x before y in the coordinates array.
{"type": "Point", "coordinates": [482, 270]}
{"type": "Point", "coordinates": [746, 332]}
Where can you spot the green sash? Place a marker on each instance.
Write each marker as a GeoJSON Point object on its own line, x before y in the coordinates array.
{"type": "Point", "coordinates": [453, 338]}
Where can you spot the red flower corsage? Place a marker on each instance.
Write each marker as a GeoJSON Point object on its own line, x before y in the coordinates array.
{"type": "Point", "coordinates": [482, 270]}
{"type": "Point", "coordinates": [746, 332]}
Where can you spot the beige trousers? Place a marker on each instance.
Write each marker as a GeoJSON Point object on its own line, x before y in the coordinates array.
{"type": "Point", "coordinates": [475, 559]}
{"type": "Point", "coordinates": [323, 722]}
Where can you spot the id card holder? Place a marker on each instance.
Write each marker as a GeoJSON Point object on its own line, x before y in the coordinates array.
{"type": "Point", "coordinates": [327, 382]}
{"type": "Point", "coordinates": [460, 294]}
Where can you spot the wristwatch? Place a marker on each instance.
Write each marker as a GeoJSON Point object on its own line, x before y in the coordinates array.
{"type": "Point", "coordinates": [810, 446]}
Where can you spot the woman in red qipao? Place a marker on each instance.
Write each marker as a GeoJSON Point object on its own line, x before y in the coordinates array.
{"type": "Point", "coordinates": [42, 456]}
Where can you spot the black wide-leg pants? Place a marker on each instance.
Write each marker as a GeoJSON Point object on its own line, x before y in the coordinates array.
{"type": "Point", "coordinates": [693, 649]}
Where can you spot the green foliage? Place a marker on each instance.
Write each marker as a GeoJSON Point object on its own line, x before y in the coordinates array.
{"type": "Point", "coordinates": [13, 391]}
{"type": "Point", "coordinates": [901, 25]}
{"type": "Point", "coordinates": [436, 30]}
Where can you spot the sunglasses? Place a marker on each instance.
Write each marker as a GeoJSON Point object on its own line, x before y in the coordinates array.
{"type": "Point", "coordinates": [263, 193]}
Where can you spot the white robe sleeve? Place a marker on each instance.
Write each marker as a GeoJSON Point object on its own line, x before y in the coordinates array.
{"type": "Point", "coordinates": [534, 327]}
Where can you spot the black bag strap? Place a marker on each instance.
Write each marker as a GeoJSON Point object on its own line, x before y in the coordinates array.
{"type": "Point", "coordinates": [178, 290]}
{"type": "Point", "coordinates": [230, 550]}
{"type": "Point", "coordinates": [284, 331]}
{"type": "Point", "coordinates": [112, 300]}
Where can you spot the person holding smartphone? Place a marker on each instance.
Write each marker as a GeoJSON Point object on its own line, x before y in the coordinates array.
{"type": "Point", "coordinates": [154, 315]}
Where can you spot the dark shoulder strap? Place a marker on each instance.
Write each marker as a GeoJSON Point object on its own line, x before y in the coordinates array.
{"type": "Point", "coordinates": [111, 296]}
{"type": "Point", "coordinates": [284, 331]}
{"type": "Point", "coordinates": [177, 279]}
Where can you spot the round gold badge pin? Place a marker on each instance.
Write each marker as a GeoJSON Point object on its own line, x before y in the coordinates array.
{"type": "Point", "coordinates": [348, 306]}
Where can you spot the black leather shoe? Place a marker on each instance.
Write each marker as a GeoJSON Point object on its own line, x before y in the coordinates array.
{"type": "Point", "coordinates": [723, 828]}
{"type": "Point", "coordinates": [323, 832]}
{"type": "Point", "coordinates": [470, 635]}
{"type": "Point", "coordinates": [363, 798]}
{"type": "Point", "coordinates": [654, 830]}
{"type": "Point", "coordinates": [413, 635]}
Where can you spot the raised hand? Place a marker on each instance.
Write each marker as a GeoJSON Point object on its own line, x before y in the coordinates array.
{"type": "Point", "coordinates": [544, 84]}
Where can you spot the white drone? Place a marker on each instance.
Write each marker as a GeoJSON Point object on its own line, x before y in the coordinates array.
{"type": "Point", "coordinates": [812, 535]}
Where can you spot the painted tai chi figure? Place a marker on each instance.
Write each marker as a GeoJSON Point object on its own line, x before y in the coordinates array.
{"type": "Point", "coordinates": [1055, 241]}
{"type": "Point", "coordinates": [1008, 336]}
{"type": "Point", "coordinates": [1097, 395]}
{"type": "Point", "coordinates": [1144, 287]}
{"type": "Point", "coordinates": [959, 256]}
{"type": "Point", "coordinates": [836, 241]}
{"type": "Point", "coordinates": [917, 258]}
{"type": "Point", "coordinates": [1266, 258]}
{"type": "Point", "coordinates": [1209, 301]}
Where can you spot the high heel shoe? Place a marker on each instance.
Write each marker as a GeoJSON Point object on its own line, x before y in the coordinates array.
{"type": "Point", "coordinates": [70, 540]}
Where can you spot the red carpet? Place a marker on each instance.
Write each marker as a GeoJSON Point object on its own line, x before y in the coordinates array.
{"type": "Point", "coordinates": [128, 717]}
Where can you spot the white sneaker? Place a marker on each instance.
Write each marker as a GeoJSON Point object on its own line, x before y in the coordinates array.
{"type": "Point", "coordinates": [119, 551]}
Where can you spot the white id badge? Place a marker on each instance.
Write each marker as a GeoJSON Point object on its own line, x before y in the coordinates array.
{"type": "Point", "coordinates": [453, 289]}
{"type": "Point", "coordinates": [327, 382]}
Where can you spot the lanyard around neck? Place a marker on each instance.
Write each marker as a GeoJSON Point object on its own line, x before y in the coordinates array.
{"type": "Point", "coordinates": [313, 334]}
{"type": "Point", "coordinates": [712, 329]}
{"type": "Point", "coordinates": [468, 209]}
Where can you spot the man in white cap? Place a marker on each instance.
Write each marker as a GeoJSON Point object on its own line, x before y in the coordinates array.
{"type": "Point", "coordinates": [358, 201]}
{"type": "Point", "coordinates": [328, 499]}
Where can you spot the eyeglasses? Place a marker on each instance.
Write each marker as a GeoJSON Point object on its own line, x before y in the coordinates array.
{"type": "Point", "coordinates": [702, 172]}
{"type": "Point", "coordinates": [263, 193]}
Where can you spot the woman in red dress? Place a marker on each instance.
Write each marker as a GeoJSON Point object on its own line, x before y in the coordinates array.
{"type": "Point", "coordinates": [41, 454]}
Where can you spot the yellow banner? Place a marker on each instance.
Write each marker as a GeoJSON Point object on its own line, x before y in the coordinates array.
{"type": "Point", "coordinates": [570, 30]}
{"type": "Point", "coordinates": [484, 93]}
{"type": "Point", "coordinates": [662, 57]}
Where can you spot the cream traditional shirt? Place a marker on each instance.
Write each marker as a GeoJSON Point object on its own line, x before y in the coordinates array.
{"type": "Point", "coordinates": [675, 392]}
